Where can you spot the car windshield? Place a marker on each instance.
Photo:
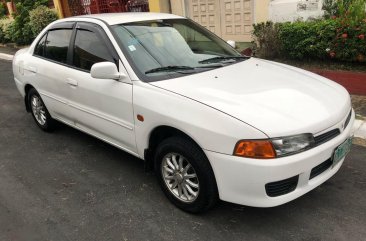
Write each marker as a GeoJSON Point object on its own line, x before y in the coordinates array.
{"type": "Point", "coordinates": [169, 48]}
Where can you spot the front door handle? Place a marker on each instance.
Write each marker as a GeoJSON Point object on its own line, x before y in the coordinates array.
{"type": "Point", "coordinates": [72, 82]}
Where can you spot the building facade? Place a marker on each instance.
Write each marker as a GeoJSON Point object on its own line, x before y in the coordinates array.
{"type": "Point", "coordinates": [229, 19]}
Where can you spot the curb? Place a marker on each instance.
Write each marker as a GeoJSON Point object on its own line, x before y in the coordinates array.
{"type": "Point", "coordinates": [6, 56]}
{"type": "Point", "coordinates": [359, 127]}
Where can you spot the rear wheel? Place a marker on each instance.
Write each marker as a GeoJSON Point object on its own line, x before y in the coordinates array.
{"type": "Point", "coordinates": [39, 111]}
{"type": "Point", "coordinates": [185, 175]}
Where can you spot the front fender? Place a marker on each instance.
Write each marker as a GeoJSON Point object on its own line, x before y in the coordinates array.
{"type": "Point", "coordinates": [211, 129]}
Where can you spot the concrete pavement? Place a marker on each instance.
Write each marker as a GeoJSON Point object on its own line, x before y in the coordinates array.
{"type": "Point", "coordinates": [360, 129]}
{"type": "Point", "coordinates": [6, 56]}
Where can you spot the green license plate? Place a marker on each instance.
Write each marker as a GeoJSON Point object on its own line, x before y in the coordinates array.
{"type": "Point", "coordinates": [342, 150]}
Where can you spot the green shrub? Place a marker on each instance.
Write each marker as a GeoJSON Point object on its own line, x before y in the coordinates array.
{"type": "Point", "coordinates": [3, 10]}
{"type": "Point", "coordinates": [341, 35]}
{"type": "Point", "coordinates": [40, 18]}
{"type": "Point", "coordinates": [4, 30]}
{"type": "Point", "coordinates": [307, 40]}
{"type": "Point", "coordinates": [353, 9]}
{"type": "Point", "coordinates": [266, 37]}
{"type": "Point", "coordinates": [330, 38]}
{"type": "Point", "coordinates": [337, 39]}
{"type": "Point", "coordinates": [21, 30]}
{"type": "Point", "coordinates": [349, 43]}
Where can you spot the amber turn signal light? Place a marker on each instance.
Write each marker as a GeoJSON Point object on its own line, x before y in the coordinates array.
{"type": "Point", "coordinates": [140, 118]}
{"type": "Point", "coordinates": [262, 149]}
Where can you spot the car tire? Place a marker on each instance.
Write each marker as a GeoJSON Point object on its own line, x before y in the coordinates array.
{"type": "Point", "coordinates": [39, 111]}
{"type": "Point", "coordinates": [185, 175]}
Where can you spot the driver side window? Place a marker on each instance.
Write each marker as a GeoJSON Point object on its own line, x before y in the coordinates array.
{"type": "Point", "coordinates": [89, 49]}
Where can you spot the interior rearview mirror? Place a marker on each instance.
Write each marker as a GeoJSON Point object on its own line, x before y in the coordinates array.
{"type": "Point", "coordinates": [105, 70]}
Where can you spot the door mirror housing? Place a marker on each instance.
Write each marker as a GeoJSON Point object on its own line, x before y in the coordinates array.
{"type": "Point", "coordinates": [232, 43]}
{"type": "Point", "coordinates": [105, 70]}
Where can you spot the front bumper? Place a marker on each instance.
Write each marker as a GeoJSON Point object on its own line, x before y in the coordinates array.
{"type": "Point", "coordinates": [242, 180]}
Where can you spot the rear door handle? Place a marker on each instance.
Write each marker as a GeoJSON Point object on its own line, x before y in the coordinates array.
{"type": "Point", "coordinates": [72, 82]}
{"type": "Point", "coordinates": [32, 69]}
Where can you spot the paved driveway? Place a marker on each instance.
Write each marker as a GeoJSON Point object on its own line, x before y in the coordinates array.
{"type": "Point", "coordinates": [70, 186]}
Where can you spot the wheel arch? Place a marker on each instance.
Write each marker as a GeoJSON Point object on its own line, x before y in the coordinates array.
{"type": "Point", "coordinates": [156, 136]}
{"type": "Point", "coordinates": [27, 87]}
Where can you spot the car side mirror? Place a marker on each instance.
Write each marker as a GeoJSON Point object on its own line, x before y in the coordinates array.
{"type": "Point", "coordinates": [105, 70]}
{"type": "Point", "coordinates": [232, 43]}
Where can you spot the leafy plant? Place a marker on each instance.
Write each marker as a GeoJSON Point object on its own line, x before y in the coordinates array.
{"type": "Point", "coordinates": [352, 10]}
{"type": "Point", "coordinates": [21, 30]}
{"type": "Point", "coordinates": [3, 10]}
{"type": "Point", "coordinates": [40, 17]}
{"type": "Point", "coordinates": [307, 40]}
{"type": "Point", "coordinates": [323, 39]}
{"type": "Point", "coordinates": [5, 30]}
{"type": "Point", "coordinates": [266, 37]}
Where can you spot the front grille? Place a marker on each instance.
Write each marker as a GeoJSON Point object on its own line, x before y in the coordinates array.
{"type": "Point", "coordinates": [319, 169]}
{"type": "Point", "coordinates": [326, 136]}
{"type": "Point", "coordinates": [347, 120]}
{"type": "Point", "coordinates": [274, 189]}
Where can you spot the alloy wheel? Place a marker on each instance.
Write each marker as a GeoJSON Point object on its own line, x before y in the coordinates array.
{"type": "Point", "coordinates": [39, 110]}
{"type": "Point", "coordinates": [180, 177]}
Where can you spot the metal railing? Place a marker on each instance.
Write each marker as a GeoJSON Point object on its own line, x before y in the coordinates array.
{"type": "Point", "coordinates": [83, 7]}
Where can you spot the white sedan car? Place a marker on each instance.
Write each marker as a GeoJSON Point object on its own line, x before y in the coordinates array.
{"type": "Point", "coordinates": [212, 124]}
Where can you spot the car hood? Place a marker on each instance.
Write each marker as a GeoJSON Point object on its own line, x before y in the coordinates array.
{"type": "Point", "coordinates": [275, 98]}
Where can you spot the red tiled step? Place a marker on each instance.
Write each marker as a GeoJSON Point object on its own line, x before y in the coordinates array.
{"type": "Point", "coordinates": [354, 82]}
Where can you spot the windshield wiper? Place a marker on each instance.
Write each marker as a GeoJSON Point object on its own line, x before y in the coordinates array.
{"type": "Point", "coordinates": [169, 68]}
{"type": "Point", "coordinates": [219, 58]}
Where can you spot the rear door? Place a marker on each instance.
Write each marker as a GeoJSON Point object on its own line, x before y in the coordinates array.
{"type": "Point", "coordinates": [102, 107]}
{"type": "Point", "coordinates": [48, 69]}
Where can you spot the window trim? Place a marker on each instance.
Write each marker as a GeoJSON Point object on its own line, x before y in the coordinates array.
{"type": "Point", "coordinates": [57, 26]}
{"type": "Point", "coordinates": [96, 28]}
{"type": "Point", "coordinates": [55, 61]}
{"type": "Point", "coordinates": [44, 46]}
{"type": "Point", "coordinates": [51, 60]}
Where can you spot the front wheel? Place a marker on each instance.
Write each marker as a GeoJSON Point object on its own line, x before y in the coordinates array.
{"type": "Point", "coordinates": [185, 175]}
{"type": "Point", "coordinates": [39, 111]}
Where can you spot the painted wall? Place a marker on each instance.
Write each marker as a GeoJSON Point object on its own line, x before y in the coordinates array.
{"type": "Point", "coordinates": [292, 10]}
{"type": "Point", "coordinates": [160, 6]}
{"type": "Point", "coordinates": [261, 12]}
{"type": "Point", "coordinates": [58, 8]}
{"type": "Point", "coordinates": [178, 7]}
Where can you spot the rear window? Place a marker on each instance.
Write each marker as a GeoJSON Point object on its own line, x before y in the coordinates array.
{"type": "Point", "coordinates": [39, 50]}
{"type": "Point", "coordinates": [57, 45]}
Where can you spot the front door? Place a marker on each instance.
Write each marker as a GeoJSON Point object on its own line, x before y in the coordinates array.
{"type": "Point", "coordinates": [102, 107]}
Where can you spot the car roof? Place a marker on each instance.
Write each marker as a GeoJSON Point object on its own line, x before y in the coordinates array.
{"type": "Point", "coordinates": [119, 18]}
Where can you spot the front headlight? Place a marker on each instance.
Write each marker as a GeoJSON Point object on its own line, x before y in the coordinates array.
{"type": "Point", "coordinates": [276, 147]}
{"type": "Point", "coordinates": [292, 144]}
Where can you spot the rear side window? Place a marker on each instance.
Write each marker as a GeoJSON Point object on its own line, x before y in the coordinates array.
{"type": "Point", "coordinates": [89, 49]}
{"type": "Point", "coordinates": [39, 50]}
{"type": "Point", "coordinates": [57, 45]}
